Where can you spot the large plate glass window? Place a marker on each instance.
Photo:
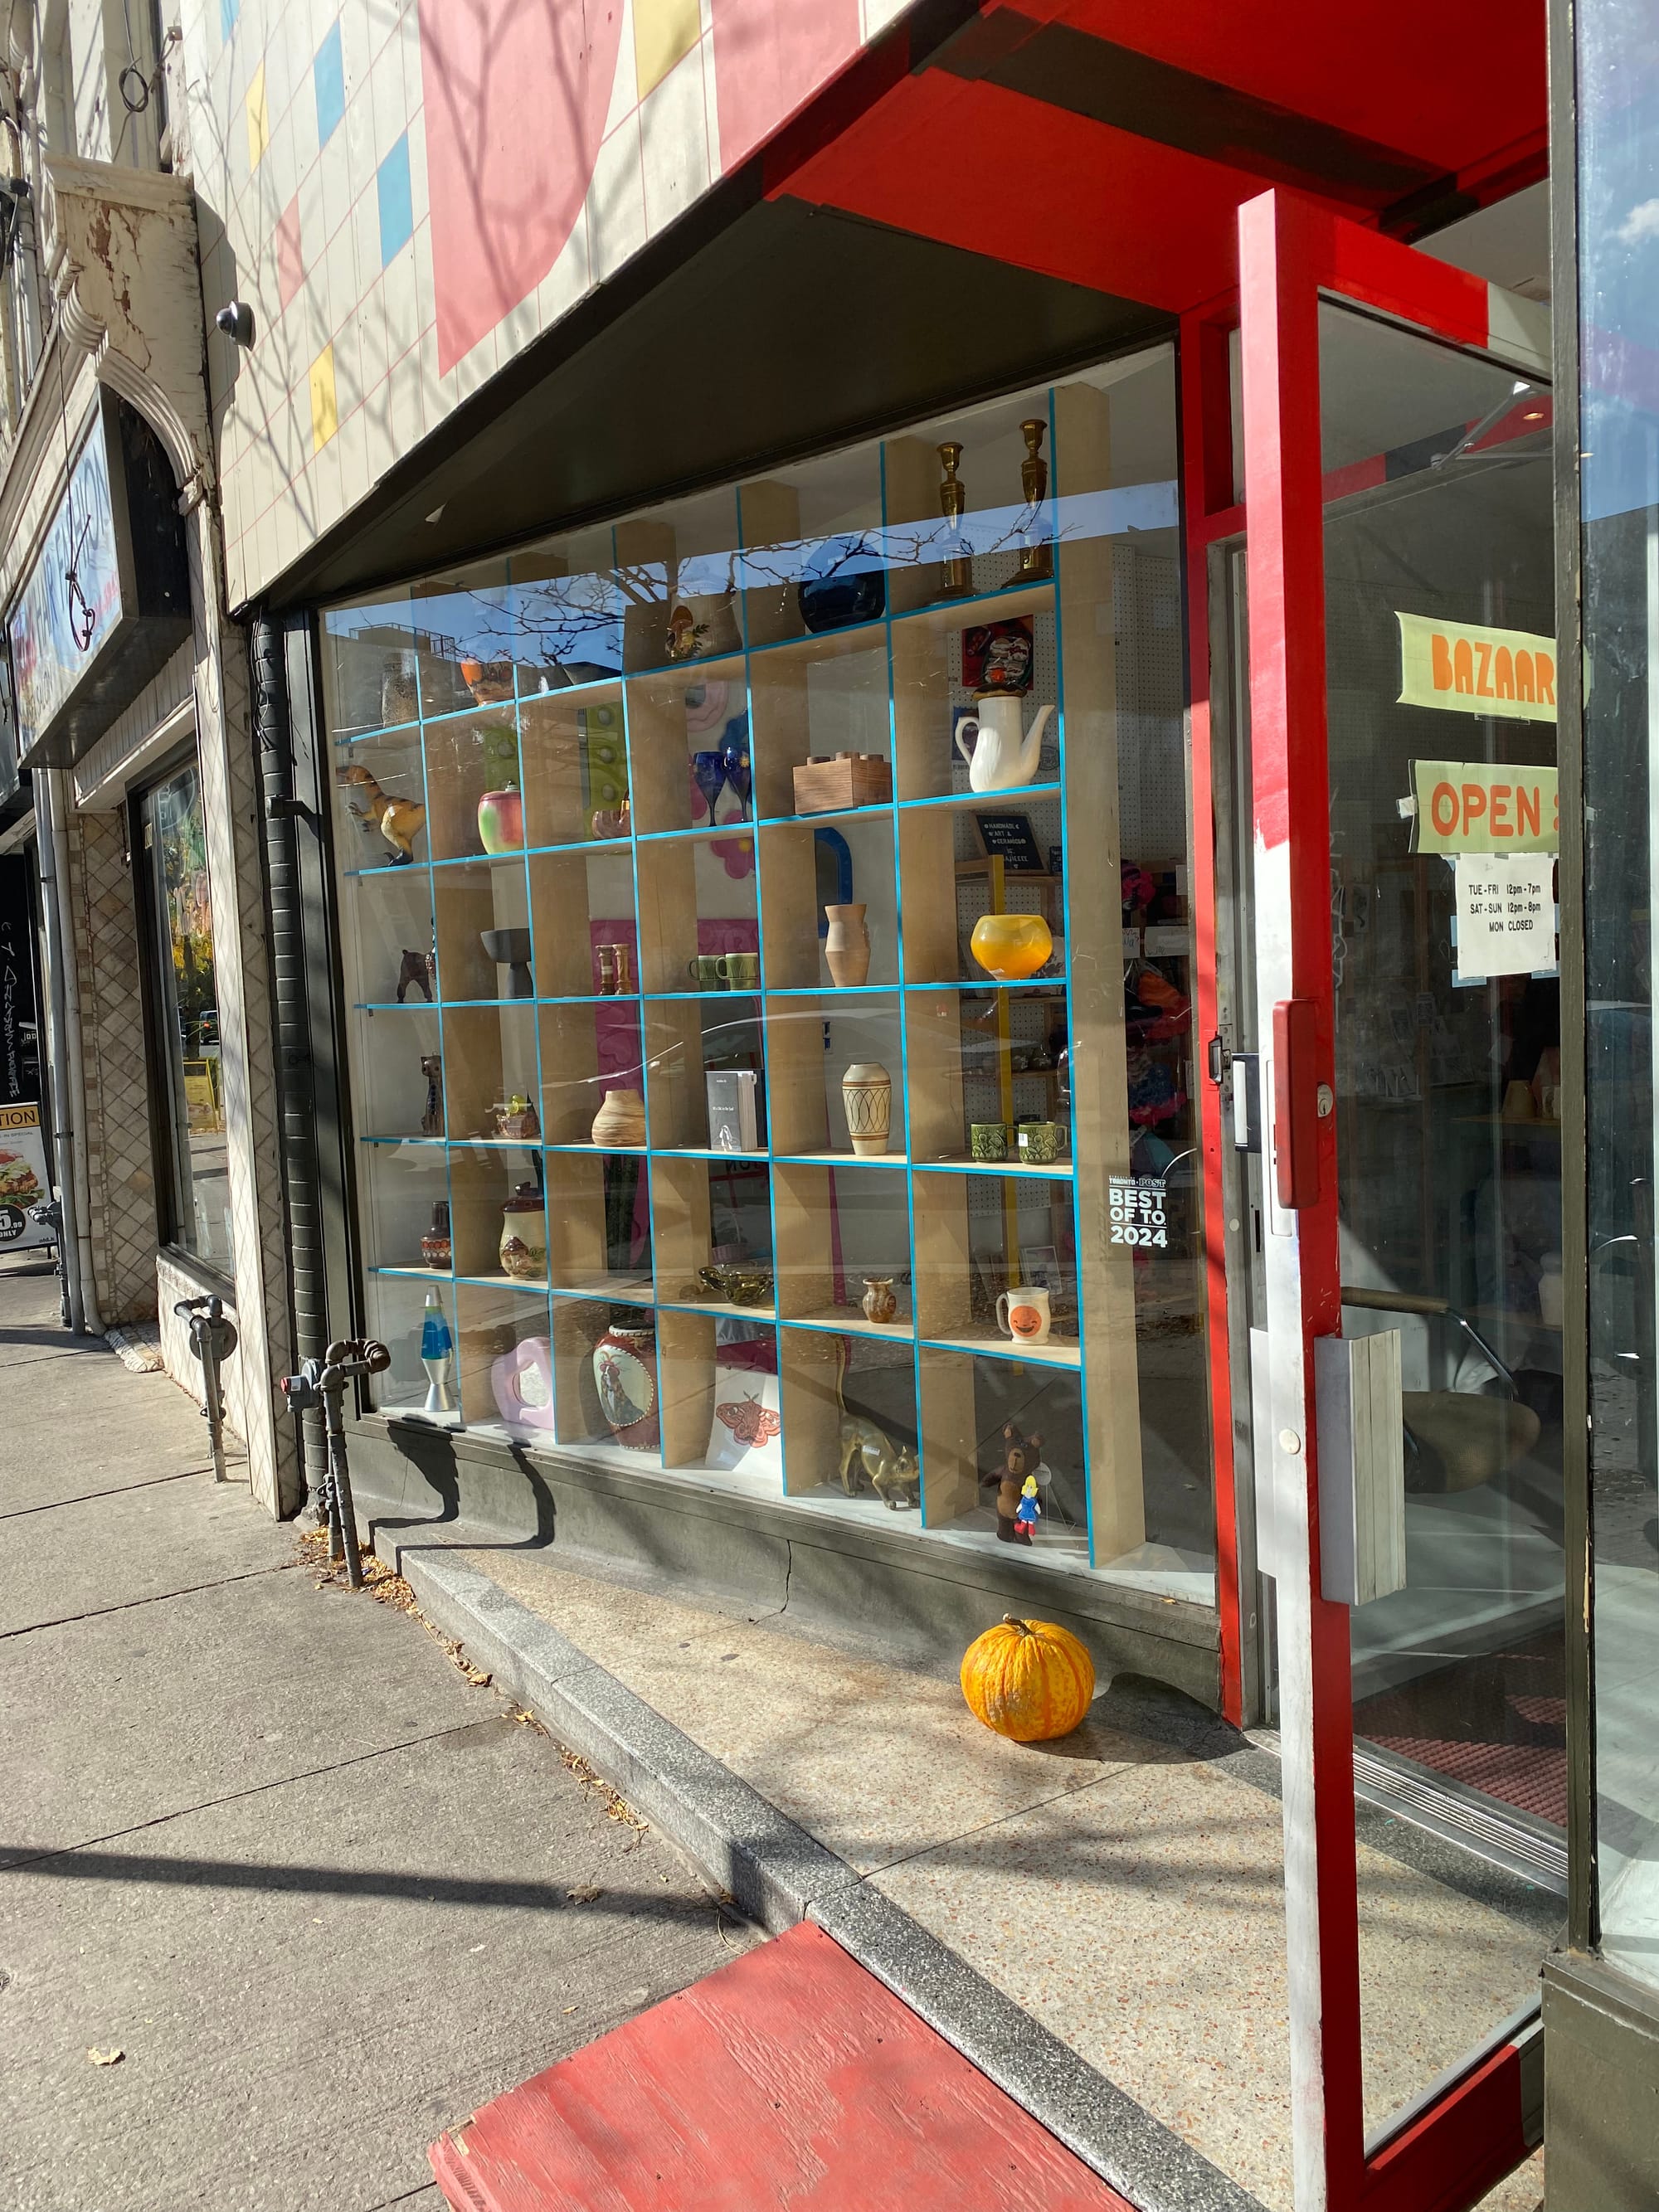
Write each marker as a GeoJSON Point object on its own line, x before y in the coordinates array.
{"type": "Point", "coordinates": [768, 943]}
{"type": "Point", "coordinates": [190, 1098]}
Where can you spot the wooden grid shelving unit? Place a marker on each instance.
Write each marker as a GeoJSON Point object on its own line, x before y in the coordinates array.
{"type": "Point", "coordinates": [629, 1223]}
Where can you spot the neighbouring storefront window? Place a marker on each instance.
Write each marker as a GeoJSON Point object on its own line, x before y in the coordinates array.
{"type": "Point", "coordinates": [195, 1199]}
{"type": "Point", "coordinates": [1619, 334]}
{"type": "Point", "coordinates": [768, 932]}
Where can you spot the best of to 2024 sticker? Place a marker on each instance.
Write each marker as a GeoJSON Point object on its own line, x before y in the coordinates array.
{"type": "Point", "coordinates": [1136, 1205]}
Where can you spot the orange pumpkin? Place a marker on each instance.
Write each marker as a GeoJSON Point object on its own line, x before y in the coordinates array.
{"type": "Point", "coordinates": [1028, 1680]}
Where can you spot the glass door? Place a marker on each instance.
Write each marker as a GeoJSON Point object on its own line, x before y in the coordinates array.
{"type": "Point", "coordinates": [1439, 623]}
{"type": "Point", "coordinates": [1400, 632]}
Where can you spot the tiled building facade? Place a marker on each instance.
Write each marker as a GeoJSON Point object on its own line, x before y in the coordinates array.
{"type": "Point", "coordinates": [408, 195]}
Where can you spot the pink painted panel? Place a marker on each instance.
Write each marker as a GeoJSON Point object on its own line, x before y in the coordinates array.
{"type": "Point", "coordinates": [290, 261]}
{"type": "Point", "coordinates": [770, 59]}
{"type": "Point", "coordinates": [516, 94]}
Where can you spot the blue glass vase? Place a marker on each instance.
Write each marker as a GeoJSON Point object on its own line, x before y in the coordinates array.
{"type": "Point", "coordinates": [734, 760]}
{"type": "Point", "coordinates": [710, 771]}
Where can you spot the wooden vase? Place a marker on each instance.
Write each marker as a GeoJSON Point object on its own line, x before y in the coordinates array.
{"type": "Point", "coordinates": [621, 1120]}
{"type": "Point", "coordinates": [846, 947]}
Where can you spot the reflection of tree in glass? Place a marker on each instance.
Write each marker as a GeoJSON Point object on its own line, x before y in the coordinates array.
{"type": "Point", "coordinates": [181, 874]}
{"type": "Point", "coordinates": [570, 627]}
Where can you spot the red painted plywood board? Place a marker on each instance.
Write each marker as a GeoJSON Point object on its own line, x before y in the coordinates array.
{"type": "Point", "coordinates": [791, 2079]}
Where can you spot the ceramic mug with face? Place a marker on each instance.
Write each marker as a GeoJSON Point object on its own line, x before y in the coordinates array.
{"type": "Point", "coordinates": [1023, 1313]}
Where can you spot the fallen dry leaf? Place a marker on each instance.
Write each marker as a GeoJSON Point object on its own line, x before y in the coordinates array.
{"type": "Point", "coordinates": [616, 1806]}
{"type": "Point", "coordinates": [106, 2057]}
{"type": "Point", "coordinates": [584, 1894]}
{"type": "Point", "coordinates": [389, 1588]}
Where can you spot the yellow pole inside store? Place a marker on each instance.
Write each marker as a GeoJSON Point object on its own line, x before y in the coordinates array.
{"type": "Point", "coordinates": [1005, 1085]}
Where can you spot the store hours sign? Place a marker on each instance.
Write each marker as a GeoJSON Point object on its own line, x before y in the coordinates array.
{"type": "Point", "coordinates": [1505, 915]}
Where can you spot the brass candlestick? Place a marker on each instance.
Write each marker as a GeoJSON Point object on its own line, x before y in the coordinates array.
{"type": "Point", "coordinates": [1037, 561]}
{"type": "Point", "coordinates": [958, 568]}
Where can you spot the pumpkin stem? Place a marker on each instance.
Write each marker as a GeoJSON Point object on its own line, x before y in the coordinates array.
{"type": "Point", "coordinates": [1009, 1621]}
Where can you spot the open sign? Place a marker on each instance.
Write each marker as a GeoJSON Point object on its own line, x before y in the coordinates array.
{"type": "Point", "coordinates": [1483, 806]}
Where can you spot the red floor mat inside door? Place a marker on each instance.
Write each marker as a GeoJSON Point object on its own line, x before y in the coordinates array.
{"type": "Point", "coordinates": [1497, 1723]}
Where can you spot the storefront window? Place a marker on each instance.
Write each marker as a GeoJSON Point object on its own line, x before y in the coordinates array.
{"type": "Point", "coordinates": [1618, 331]}
{"type": "Point", "coordinates": [769, 941]}
{"type": "Point", "coordinates": [196, 1198]}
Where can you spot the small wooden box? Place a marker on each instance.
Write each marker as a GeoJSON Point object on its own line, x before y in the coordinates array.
{"type": "Point", "coordinates": [845, 779]}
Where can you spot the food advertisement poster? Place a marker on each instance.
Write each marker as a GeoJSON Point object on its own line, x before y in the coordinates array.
{"type": "Point", "coordinates": [23, 1178]}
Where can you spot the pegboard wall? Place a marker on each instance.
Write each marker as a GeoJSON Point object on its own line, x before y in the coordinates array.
{"type": "Point", "coordinates": [1151, 749]}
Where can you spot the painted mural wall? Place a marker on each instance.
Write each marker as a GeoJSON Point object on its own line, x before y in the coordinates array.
{"type": "Point", "coordinates": [408, 191]}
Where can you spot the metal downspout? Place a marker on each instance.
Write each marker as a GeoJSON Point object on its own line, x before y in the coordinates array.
{"type": "Point", "coordinates": [296, 1089]}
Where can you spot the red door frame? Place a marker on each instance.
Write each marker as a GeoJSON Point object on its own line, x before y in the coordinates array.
{"type": "Point", "coordinates": [1290, 251]}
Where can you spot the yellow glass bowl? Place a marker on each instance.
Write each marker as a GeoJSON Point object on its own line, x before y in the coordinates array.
{"type": "Point", "coordinates": [1011, 946]}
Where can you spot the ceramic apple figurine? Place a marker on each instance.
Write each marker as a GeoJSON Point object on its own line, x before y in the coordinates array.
{"type": "Point", "coordinates": [500, 820]}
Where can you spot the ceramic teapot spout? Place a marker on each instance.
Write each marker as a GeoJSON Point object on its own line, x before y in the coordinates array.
{"type": "Point", "coordinates": [1031, 748]}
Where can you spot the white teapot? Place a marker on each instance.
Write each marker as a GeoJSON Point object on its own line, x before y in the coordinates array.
{"type": "Point", "coordinates": [1002, 758]}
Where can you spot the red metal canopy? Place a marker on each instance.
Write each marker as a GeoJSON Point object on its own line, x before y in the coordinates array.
{"type": "Point", "coordinates": [1111, 145]}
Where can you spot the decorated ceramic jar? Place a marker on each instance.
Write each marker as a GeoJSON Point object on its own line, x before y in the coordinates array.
{"type": "Point", "coordinates": [524, 1235]}
{"type": "Point", "coordinates": [435, 1244]}
{"type": "Point", "coordinates": [625, 1375]}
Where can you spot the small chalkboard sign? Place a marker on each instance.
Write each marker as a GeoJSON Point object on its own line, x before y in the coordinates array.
{"type": "Point", "coordinates": [1007, 837]}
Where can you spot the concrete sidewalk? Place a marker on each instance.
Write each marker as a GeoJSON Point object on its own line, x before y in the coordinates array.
{"type": "Point", "coordinates": [1097, 1924]}
{"type": "Point", "coordinates": [323, 1894]}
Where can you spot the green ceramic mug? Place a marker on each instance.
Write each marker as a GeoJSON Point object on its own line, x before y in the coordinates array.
{"type": "Point", "coordinates": [708, 971]}
{"type": "Point", "coordinates": [987, 1140]}
{"type": "Point", "coordinates": [743, 971]}
{"type": "Point", "coordinates": [1039, 1142]}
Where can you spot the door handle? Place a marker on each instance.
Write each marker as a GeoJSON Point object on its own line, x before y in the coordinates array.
{"type": "Point", "coordinates": [1296, 1104]}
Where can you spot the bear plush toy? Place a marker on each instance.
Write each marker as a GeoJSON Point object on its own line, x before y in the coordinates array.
{"type": "Point", "coordinates": [1020, 1456]}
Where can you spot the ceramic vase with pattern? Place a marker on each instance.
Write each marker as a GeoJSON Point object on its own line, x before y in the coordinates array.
{"type": "Point", "coordinates": [867, 1097]}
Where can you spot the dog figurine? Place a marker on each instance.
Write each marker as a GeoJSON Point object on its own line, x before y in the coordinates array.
{"type": "Point", "coordinates": [417, 967]}
{"type": "Point", "coordinates": [890, 1469]}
